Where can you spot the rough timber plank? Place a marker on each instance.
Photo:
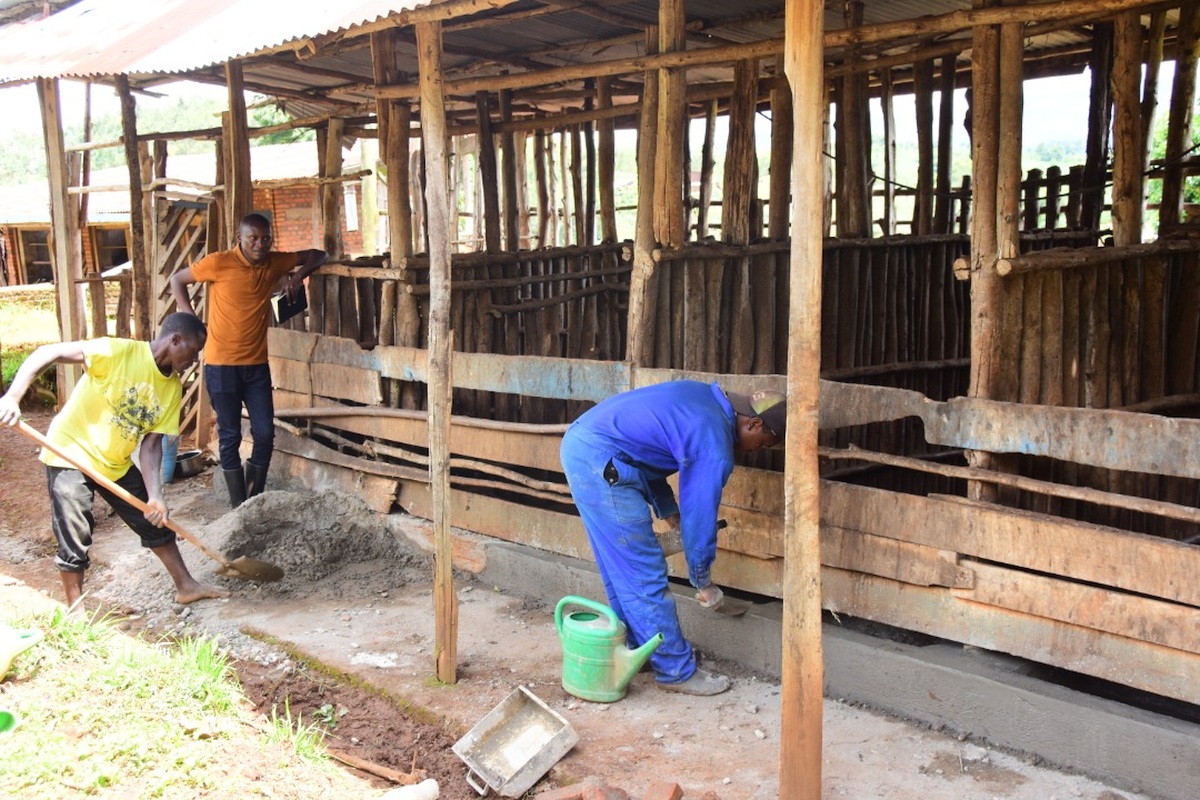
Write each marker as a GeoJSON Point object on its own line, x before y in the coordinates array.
{"type": "Point", "coordinates": [1150, 667]}
{"type": "Point", "coordinates": [316, 467]}
{"type": "Point", "coordinates": [1144, 618]}
{"type": "Point", "coordinates": [1096, 554]}
{"type": "Point", "coordinates": [515, 449]}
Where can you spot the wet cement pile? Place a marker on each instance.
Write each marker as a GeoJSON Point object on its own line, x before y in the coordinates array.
{"type": "Point", "coordinates": [330, 545]}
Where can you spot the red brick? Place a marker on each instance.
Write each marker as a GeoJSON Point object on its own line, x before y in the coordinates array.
{"type": "Point", "coordinates": [662, 790]}
{"type": "Point", "coordinates": [604, 792]}
{"type": "Point", "coordinates": [563, 793]}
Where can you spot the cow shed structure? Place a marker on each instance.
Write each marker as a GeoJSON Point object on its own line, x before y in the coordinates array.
{"type": "Point", "coordinates": [993, 433]}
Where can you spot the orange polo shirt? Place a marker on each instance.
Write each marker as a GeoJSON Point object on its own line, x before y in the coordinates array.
{"type": "Point", "coordinates": [239, 307]}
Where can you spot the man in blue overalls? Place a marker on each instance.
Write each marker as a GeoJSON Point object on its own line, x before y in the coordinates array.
{"type": "Point", "coordinates": [617, 457]}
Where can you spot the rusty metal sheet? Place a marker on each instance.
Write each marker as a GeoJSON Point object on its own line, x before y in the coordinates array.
{"type": "Point", "coordinates": [101, 37]}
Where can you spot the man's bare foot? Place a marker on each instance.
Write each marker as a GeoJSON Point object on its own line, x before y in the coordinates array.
{"type": "Point", "coordinates": [198, 591]}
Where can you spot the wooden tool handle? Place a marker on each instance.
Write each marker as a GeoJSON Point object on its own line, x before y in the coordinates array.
{"type": "Point", "coordinates": [136, 502]}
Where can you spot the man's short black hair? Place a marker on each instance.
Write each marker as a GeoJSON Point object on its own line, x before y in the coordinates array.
{"type": "Point", "coordinates": [257, 220]}
{"type": "Point", "coordinates": [183, 323]}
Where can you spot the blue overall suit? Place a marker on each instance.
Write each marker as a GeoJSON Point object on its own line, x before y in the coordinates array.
{"type": "Point", "coordinates": [617, 457]}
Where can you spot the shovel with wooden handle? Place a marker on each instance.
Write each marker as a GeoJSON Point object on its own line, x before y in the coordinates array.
{"type": "Point", "coordinates": [244, 567]}
{"type": "Point", "coordinates": [671, 543]}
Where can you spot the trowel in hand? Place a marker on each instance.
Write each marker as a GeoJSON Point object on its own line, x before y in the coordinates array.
{"type": "Point", "coordinates": [672, 543]}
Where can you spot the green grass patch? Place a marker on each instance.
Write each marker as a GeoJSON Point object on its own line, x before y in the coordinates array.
{"type": "Point", "coordinates": [106, 715]}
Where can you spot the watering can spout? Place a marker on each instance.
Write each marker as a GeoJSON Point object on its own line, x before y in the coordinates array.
{"type": "Point", "coordinates": [630, 661]}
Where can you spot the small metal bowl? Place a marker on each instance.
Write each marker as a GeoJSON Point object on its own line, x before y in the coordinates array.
{"type": "Point", "coordinates": [188, 463]}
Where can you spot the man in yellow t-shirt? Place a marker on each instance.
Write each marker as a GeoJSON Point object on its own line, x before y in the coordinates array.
{"type": "Point", "coordinates": [130, 393]}
{"type": "Point", "coordinates": [236, 373]}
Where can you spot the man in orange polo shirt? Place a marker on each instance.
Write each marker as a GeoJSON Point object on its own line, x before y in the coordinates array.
{"type": "Point", "coordinates": [236, 373]}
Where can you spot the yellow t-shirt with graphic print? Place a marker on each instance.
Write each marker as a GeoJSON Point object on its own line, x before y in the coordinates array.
{"type": "Point", "coordinates": [123, 396]}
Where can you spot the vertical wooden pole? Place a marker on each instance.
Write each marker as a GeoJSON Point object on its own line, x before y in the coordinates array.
{"type": "Point", "coordinates": [735, 229]}
{"type": "Point", "coordinates": [779, 203]}
{"type": "Point", "coordinates": [239, 199]}
{"type": "Point", "coordinates": [923, 98]}
{"type": "Point", "coordinates": [801, 705]}
{"type": "Point", "coordinates": [485, 148]}
{"type": "Point", "coordinates": [945, 141]}
{"type": "Point", "coordinates": [1128, 188]}
{"type": "Point", "coordinates": [137, 229]}
{"type": "Point", "coordinates": [606, 164]}
{"type": "Point", "coordinates": [383, 66]}
{"type": "Point", "coordinates": [64, 218]}
{"type": "Point", "coordinates": [331, 193]}
{"type": "Point", "coordinates": [853, 190]}
{"type": "Point", "coordinates": [433, 135]}
{"type": "Point", "coordinates": [541, 174]}
{"type": "Point", "coordinates": [508, 175]}
{"type": "Point", "coordinates": [985, 288]}
{"type": "Point", "coordinates": [670, 221]}
{"type": "Point", "coordinates": [1154, 57]}
{"type": "Point", "coordinates": [1179, 127]}
{"type": "Point", "coordinates": [889, 151]}
{"type": "Point", "coordinates": [707, 164]}
{"type": "Point", "coordinates": [1099, 119]}
{"type": "Point", "coordinates": [1008, 224]}
{"type": "Point", "coordinates": [642, 281]}
{"type": "Point", "coordinates": [986, 291]}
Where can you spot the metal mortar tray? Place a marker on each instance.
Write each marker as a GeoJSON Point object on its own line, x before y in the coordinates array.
{"type": "Point", "coordinates": [517, 743]}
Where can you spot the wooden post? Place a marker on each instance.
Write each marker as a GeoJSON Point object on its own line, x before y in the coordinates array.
{"type": "Point", "coordinates": [606, 166]}
{"type": "Point", "coordinates": [643, 298]}
{"type": "Point", "coordinates": [331, 193]}
{"type": "Point", "coordinates": [1099, 118]}
{"type": "Point", "coordinates": [735, 229]}
{"type": "Point", "coordinates": [64, 217]}
{"type": "Point", "coordinates": [670, 220]}
{"type": "Point", "coordinates": [1008, 216]}
{"type": "Point", "coordinates": [987, 306]}
{"type": "Point", "coordinates": [383, 67]}
{"type": "Point", "coordinates": [1154, 57]}
{"type": "Point", "coordinates": [779, 203]}
{"type": "Point", "coordinates": [433, 135]}
{"type": "Point", "coordinates": [888, 220]}
{"type": "Point", "coordinates": [707, 165]}
{"type": "Point", "coordinates": [801, 705]}
{"type": "Point", "coordinates": [485, 149]}
{"type": "Point", "coordinates": [1128, 188]}
{"type": "Point", "coordinates": [853, 189]}
{"type": "Point", "coordinates": [239, 193]}
{"type": "Point", "coordinates": [542, 178]}
{"type": "Point", "coordinates": [945, 140]}
{"type": "Point", "coordinates": [1179, 128]}
{"type": "Point", "coordinates": [923, 99]}
{"type": "Point", "coordinates": [139, 267]}
{"type": "Point", "coordinates": [508, 172]}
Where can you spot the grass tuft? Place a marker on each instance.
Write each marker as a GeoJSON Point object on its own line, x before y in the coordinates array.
{"type": "Point", "coordinates": [105, 715]}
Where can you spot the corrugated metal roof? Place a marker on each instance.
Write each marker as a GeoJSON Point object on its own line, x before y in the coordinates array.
{"type": "Point", "coordinates": [109, 37]}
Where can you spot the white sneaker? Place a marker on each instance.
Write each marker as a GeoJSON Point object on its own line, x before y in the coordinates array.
{"type": "Point", "coordinates": [702, 684]}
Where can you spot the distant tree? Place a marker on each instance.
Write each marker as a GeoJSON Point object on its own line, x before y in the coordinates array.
{"type": "Point", "coordinates": [267, 115]}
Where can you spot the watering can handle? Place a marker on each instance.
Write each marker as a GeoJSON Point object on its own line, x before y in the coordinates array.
{"type": "Point", "coordinates": [569, 600]}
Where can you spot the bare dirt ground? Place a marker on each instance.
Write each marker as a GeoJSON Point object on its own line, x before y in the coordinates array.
{"type": "Point", "coordinates": [348, 636]}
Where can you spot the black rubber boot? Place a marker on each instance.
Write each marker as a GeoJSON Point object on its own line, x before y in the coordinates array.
{"type": "Point", "coordinates": [256, 479]}
{"type": "Point", "coordinates": [236, 483]}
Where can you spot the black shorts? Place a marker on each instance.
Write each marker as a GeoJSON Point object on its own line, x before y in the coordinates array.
{"type": "Point", "coordinates": [71, 496]}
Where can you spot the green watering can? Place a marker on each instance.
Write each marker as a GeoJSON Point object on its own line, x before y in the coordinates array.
{"type": "Point", "coordinates": [597, 665]}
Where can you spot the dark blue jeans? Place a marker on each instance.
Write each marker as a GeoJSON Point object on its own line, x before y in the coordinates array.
{"type": "Point", "coordinates": [230, 388]}
{"type": "Point", "coordinates": [616, 515]}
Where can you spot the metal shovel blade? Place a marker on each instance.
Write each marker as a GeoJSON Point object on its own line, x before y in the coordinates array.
{"type": "Point", "coordinates": [250, 569]}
